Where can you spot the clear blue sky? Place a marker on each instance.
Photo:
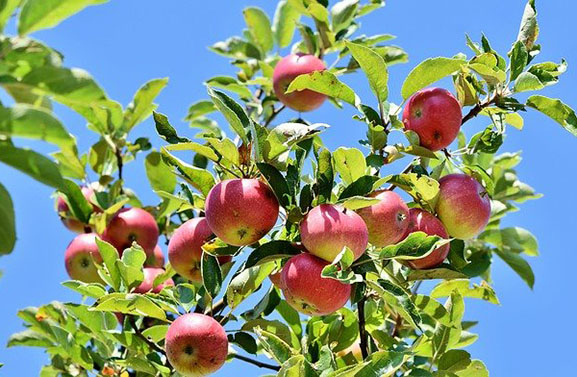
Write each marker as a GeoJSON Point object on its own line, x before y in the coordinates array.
{"type": "Point", "coordinates": [125, 43]}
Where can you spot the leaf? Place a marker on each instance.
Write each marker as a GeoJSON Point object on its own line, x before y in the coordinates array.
{"type": "Point", "coordinates": [420, 187]}
{"type": "Point", "coordinates": [444, 271]}
{"type": "Point", "coordinates": [80, 207]}
{"type": "Point", "coordinates": [130, 266]}
{"type": "Point", "coordinates": [158, 173]}
{"type": "Point", "coordinates": [397, 298]}
{"type": "Point", "coordinates": [519, 59]}
{"type": "Point", "coordinates": [277, 182]}
{"type": "Point", "coordinates": [274, 327]}
{"type": "Point", "coordinates": [211, 274]}
{"type": "Point", "coordinates": [156, 333]}
{"type": "Point", "coordinates": [417, 245]}
{"type": "Point", "coordinates": [350, 164]}
{"type": "Point", "coordinates": [358, 202]}
{"type": "Point", "coordinates": [133, 304]}
{"type": "Point", "coordinates": [527, 82]}
{"type": "Point", "coordinates": [519, 265]}
{"type": "Point", "coordinates": [475, 369]}
{"type": "Point", "coordinates": [273, 250]}
{"type": "Point", "coordinates": [284, 23]}
{"type": "Point", "coordinates": [165, 129]}
{"type": "Point", "coordinates": [326, 83]}
{"type": "Point", "coordinates": [7, 223]}
{"type": "Point", "coordinates": [233, 113]}
{"type": "Point", "coordinates": [297, 366]}
{"type": "Point", "coordinates": [515, 239]}
{"type": "Point", "coordinates": [529, 29]}
{"type": "Point", "coordinates": [343, 14]}
{"type": "Point", "coordinates": [246, 282]}
{"type": "Point", "coordinates": [483, 291]}
{"type": "Point", "coordinates": [29, 338]}
{"type": "Point", "coordinates": [200, 179]}
{"type": "Point", "coordinates": [433, 309]}
{"type": "Point", "coordinates": [374, 67]}
{"type": "Point", "coordinates": [324, 176]}
{"type": "Point", "coordinates": [265, 306]}
{"type": "Point", "coordinates": [199, 109]}
{"type": "Point", "coordinates": [274, 345]}
{"type": "Point", "coordinates": [7, 9]}
{"type": "Point", "coordinates": [42, 14]}
{"type": "Point", "coordinates": [259, 27]}
{"type": "Point", "coordinates": [93, 290]}
{"type": "Point", "coordinates": [143, 103]}
{"type": "Point", "coordinates": [33, 164]}
{"type": "Point", "coordinates": [556, 110]}
{"type": "Point", "coordinates": [109, 257]}
{"type": "Point", "coordinates": [361, 187]}
{"type": "Point", "coordinates": [454, 360]}
{"type": "Point", "coordinates": [428, 72]}
{"type": "Point", "coordinates": [230, 84]}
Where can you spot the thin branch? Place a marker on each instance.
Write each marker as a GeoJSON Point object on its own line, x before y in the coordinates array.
{"type": "Point", "coordinates": [119, 161]}
{"type": "Point", "coordinates": [216, 308]}
{"type": "Point", "coordinates": [138, 333]}
{"type": "Point", "coordinates": [275, 112]}
{"type": "Point", "coordinates": [257, 363]}
{"type": "Point", "coordinates": [362, 329]}
{"type": "Point", "coordinates": [477, 109]}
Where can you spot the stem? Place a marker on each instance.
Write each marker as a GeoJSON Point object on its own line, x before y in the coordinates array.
{"type": "Point", "coordinates": [119, 161]}
{"type": "Point", "coordinates": [275, 112]}
{"type": "Point", "coordinates": [477, 109]}
{"type": "Point", "coordinates": [138, 333]}
{"type": "Point", "coordinates": [216, 308]}
{"type": "Point", "coordinates": [362, 329]}
{"type": "Point", "coordinates": [259, 364]}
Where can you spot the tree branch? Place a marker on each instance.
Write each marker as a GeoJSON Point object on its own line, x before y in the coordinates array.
{"type": "Point", "coordinates": [362, 329]}
{"type": "Point", "coordinates": [257, 363]}
{"type": "Point", "coordinates": [138, 333]}
{"type": "Point", "coordinates": [275, 112]}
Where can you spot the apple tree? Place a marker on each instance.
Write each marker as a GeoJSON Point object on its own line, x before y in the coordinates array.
{"type": "Point", "coordinates": [278, 247]}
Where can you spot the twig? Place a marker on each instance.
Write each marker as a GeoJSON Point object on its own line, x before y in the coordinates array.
{"type": "Point", "coordinates": [477, 109]}
{"type": "Point", "coordinates": [119, 161]}
{"type": "Point", "coordinates": [275, 112]}
{"type": "Point", "coordinates": [259, 364]}
{"type": "Point", "coordinates": [362, 329]}
{"type": "Point", "coordinates": [216, 308]}
{"type": "Point", "coordinates": [138, 333]}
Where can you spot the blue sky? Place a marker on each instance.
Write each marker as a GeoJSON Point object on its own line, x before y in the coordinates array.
{"type": "Point", "coordinates": [125, 43]}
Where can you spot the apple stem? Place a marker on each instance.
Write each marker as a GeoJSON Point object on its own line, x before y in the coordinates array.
{"type": "Point", "coordinates": [362, 329]}
{"type": "Point", "coordinates": [259, 364]}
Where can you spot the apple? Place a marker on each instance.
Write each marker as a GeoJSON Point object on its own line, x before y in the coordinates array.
{"type": "Point", "coordinates": [276, 279]}
{"type": "Point", "coordinates": [463, 205]}
{"type": "Point", "coordinates": [66, 216]}
{"type": "Point", "coordinates": [185, 248]}
{"type": "Point", "coordinates": [328, 228]}
{"type": "Point", "coordinates": [289, 68]}
{"type": "Point", "coordinates": [150, 273]}
{"type": "Point", "coordinates": [156, 259]}
{"type": "Point", "coordinates": [132, 225]}
{"type": "Point", "coordinates": [435, 115]}
{"type": "Point", "coordinates": [423, 221]}
{"type": "Point", "coordinates": [80, 256]}
{"type": "Point", "coordinates": [196, 345]}
{"type": "Point", "coordinates": [387, 221]}
{"type": "Point", "coordinates": [354, 350]}
{"type": "Point", "coordinates": [307, 291]}
{"type": "Point", "coordinates": [241, 211]}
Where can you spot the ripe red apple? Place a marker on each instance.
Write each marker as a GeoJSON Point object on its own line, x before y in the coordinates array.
{"type": "Point", "coordinates": [435, 115]}
{"type": "Point", "coordinates": [80, 256]}
{"type": "Point", "coordinates": [132, 225]}
{"type": "Point", "coordinates": [196, 345]}
{"type": "Point", "coordinates": [150, 273]}
{"type": "Point", "coordinates": [387, 221]}
{"type": "Point", "coordinates": [241, 211]}
{"type": "Point", "coordinates": [307, 291]}
{"type": "Point", "coordinates": [66, 216]}
{"type": "Point", "coordinates": [156, 259]}
{"type": "Point", "coordinates": [185, 248]}
{"type": "Point", "coordinates": [463, 206]}
{"type": "Point", "coordinates": [423, 221]}
{"type": "Point", "coordinates": [289, 68]}
{"type": "Point", "coordinates": [328, 228]}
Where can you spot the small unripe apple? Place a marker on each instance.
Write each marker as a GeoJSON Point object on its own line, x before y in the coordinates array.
{"type": "Point", "coordinates": [132, 225]}
{"type": "Point", "coordinates": [150, 273]}
{"type": "Point", "coordinates": [289, 68]}
{"type": "Point", "coordinates": [307, 291]}
{"type": "Point", "coordinates": [80, 256]}
{"type": "Point", "coordinates": [328, 228]}
{"type": "Point", "coordinates": [387, 221]}
{"type": "Point", "coordinates": [66, 216]}
{"type": "Point", "coordinates": [156, 259]}
{"type": "Point", "coordinates": [435, 115]}
{"type": "Point", "coordinates": [423, 221]}
{"type": "Point", "coordinates": [463, 206]}
{"type": "Point", "coordinates": [196, 345]}
{"type": "Point", "coordinates": [241, 211]}
{"type": "Point", "coordinates": [185, 248]}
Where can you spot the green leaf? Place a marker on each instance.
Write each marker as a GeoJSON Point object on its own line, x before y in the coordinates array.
{"type": "Point", "coordinates": [156, 333]}
{"type": "Point", "coordinates": [233, 113]}
{"type": "Point", "coordinates": [211, 274]}
{"type": "Point", "coordinates": [428, 72]}
{"type": "Point", "coordinates": [284, 23]}
{"type": "Point", "coordinates": [444, 271]}
{"type": "Point", "coordinates": [265, 306]}
{"type": "Point", "coordinates": [109, 257]}
{"type": "Point", "coordinates": [134, 304]}
{"type": "Point", "coordinates": [80, 207]}
{"type": "Point", "coordinates": [454, 360]}
{"type": "Point", "coordinates": [420, 187]}
{"type": "Point", "coordinates": [529, 29]}
{"type": "Point", "coordinates": [143, 103]}
{"type": "Point", "coordinates": [158, 173]}
{"type": "Point", "coordinates": [374, 67]}
{"type": "Point", "coordinates": [527, 82]}
{"type": "Point", "coordinates": [270, 251]}
{"type": "Point", "coordinates": [361, 187]}
{"type": "Point", "coordinates": [519, 265]}
{"type": "Point", "coordinates": [326, 83]}
{"type": "Point", "coordinates": [274, 327]}
{"type": "Point", "coordinates": [42, 14]}
{"type": "Point", "coordinates": [357, 202]}
{"type": "Point", "coordinates": [519, 59]}
{"type": "Point", "coordinates": [246, 282]}
{"type": "Point", "coordinates": [231, 84]}
{"type": "Point", "coordinates": [556, 110]}
{"type": "Point", "coordinates": [33, 164]}
{"type": "Point", "coordinates": [130, 266]}
{"type": "Point", "coordinates": [297, 366]}
{"type": "Point", "coordinates": [277, 182]}
{"type": "Point", "coordinates": [475, 369]}
{"type": "Point", "coordinates": [343, 14]}
{"type": "Point", "coordinates": [7, 223]}
{"type": "Point", "coordinates": [274, 345]}
{"type": "Point", "coordinates": [199, 109]}
{"type": "Point", "coordinates": [417, 245]}
{"type": "Point", "coordinates": [29, 338]}
{"type": "Point", "coordinates": [515, 239]}
{"type": "Point", "coordinates": [165, 129]}
{"type": "Point", "coordinates": [482, 291]}
{"type": "Point", "coordinates": [397, 298]}
{"type": "Point", "coordinates": [7, 9]}
{"type": "Point", "coordinates": [433, 309]}
{"type": "Point", "coordinates": [324, 176]}
{"type": "Point", "coordinates": [350, 164]}
{"type": "Point", "coordinates": [259, 27]}
{"type": "Point", "coordinates": [93, 290]}
{"type": "Point", "coordinates": [226, 149]}
{"type": "Point", "coordinates": [200, 179]}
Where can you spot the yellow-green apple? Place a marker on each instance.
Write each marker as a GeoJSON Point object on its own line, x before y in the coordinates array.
{"type": "Point", "coordinates": [387, 221]}
{"type": "Point", "coordinates": [185, 248]}
{"type": "Point", "coordinates": [423, 221]}
{"type": "Point", "coordinates": [307, 291]}
{"type": "Point", "coordinates": [156, 259]}
{"type": "Point", "coordinates": [150, 273]}
{"type": "Point", "coordinates": [80, 256]}
{"type": "Point", "coordinates": [68, 218]}
{"type": "Point", "coordinates": [196, 345]}
{"type": "Point", "coordinates": [328, 228]}
{"type": "Point", "coordinates": [463, 206]}
{"type": "Point", "coordinates": [289, 68]}
{"type": "Point", "coordinates": [241, 211]}
{"type": "Point", "coordinates": [132, 225]}
{"type": "Point", "coordinates": [435, 115]}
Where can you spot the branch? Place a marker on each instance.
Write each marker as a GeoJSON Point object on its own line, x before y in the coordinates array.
{"type": "Point", "coordinates": [477, 109]}
{"type": "Point", "coordinates": [138, 333]}
{"type": "Point", "coordinates": [362, 329]}
{"type": "Point", "coordinates": [275, 112]}
{"type": "Point", "coordinates": [216, 308]}
{"type": "Point", "coordinates": [259, 364]}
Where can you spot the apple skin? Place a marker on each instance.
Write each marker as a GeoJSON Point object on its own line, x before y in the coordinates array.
{"type": "Point", "coordinates": [289, 68]}
{"type": "Point", "coordinates": [307, 291]}
{"type": "Point", "coordinates": [423, 221]}
{"type": "Point", "coordinates": [196, 345]}
{"type": "Point", "coordinates": [463, 206]}
{"type": "Point", "coordinates": [185, 248]}
{"type": "Point", "coordinates": [328, 228]}
{"type": "Point", "coordinates": [241, 211]}
{"type": "Point", "coordinates": [386, 221]}
{"type": "Point", "coordinates": [79, 256]}
{"type": "Point", "coordinates": [156, 259]}
{"type": "Point", "coordinates": [435, 115]}
{"type": "Point", "coordinates": [132, 225]}
{"type": "Point", "coordinates": [150, 273]}
{"type": "Point", "coordinates": [276, 279]}
{"type": "Point", "coordinates": [68, 220]}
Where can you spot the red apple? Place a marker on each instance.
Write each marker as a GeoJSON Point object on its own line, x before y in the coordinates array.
{"type": "Point", "coordinates": [241, 211]}
{"type": "Point", "coordinates": [328, 228]}
{"type": "Point", "coordinates": [66, 216]}
{"type": "Point", "coordinates": [289, 68]}
{"type": "Point", "coordinates": [185, 248]}
{"type": "Point", "coordinates": [463, 206]}
{"type": "Point", "coordinates": [435, 115]}
{"type": "Point", "coordinates": [150, 273]}
{"type": "Point", "coordinates": [196, 345]}
{"type": "Point", "coordinates": [387, 221]}
{"type": "Point", "coordinates": [80, 256]}
{"type": "Point", "coordinates": [276, 279]}
{"type": "Point", "coordinates": [156, 259]}
{"type": "Point", "coordinates": [132, 225]}
{"type": "Point", "coordinates": [307, 291]}
{"type": "Point", "coordinates": [423, 221]}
